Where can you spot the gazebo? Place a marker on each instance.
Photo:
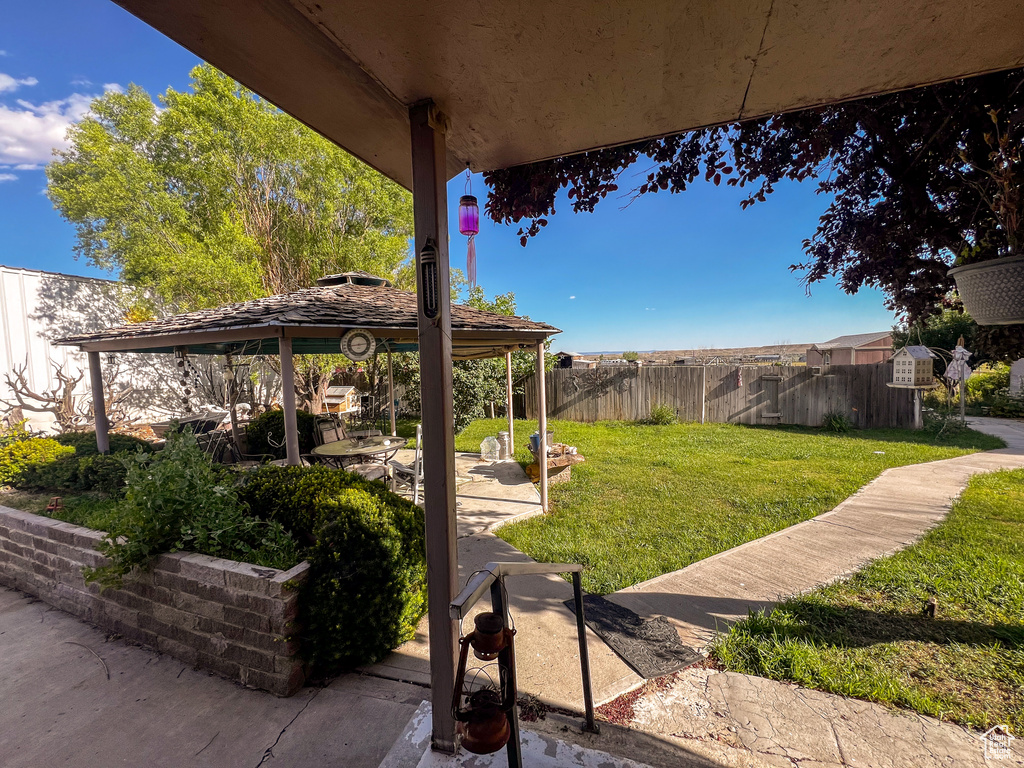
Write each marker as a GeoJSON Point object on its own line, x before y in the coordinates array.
{"type": "Point", "coordinates": [420, 91]}
{"type": "Point", "coordinates": [312, 321]}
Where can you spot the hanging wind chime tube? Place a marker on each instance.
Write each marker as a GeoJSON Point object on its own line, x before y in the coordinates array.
{"type": "Point", "coordinates": [469, 224]}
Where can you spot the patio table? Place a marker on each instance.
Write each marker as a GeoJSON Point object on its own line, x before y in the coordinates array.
{"type": "Point", "coordinates": [358, 447]}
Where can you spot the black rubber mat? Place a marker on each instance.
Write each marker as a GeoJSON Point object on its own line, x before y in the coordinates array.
{"type": "Point", "coordinates": [650, 648]}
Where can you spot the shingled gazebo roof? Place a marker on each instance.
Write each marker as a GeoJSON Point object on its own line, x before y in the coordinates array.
{"type": "Point", "coordinates": [315, 318]}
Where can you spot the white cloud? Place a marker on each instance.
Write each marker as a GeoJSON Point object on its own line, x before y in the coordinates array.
{"type": "Point", "coordinates": [4, 53]}
{"type": "Point", "coordinates": [8, 83]}
{"type": "Point", "coordinates": [27, 167]}
{"type": "Point", "coordinates": [30, 132]}
{"type": "Point", "coordinates": [79, 80]}
{"type": "Point", "coordinates": [115, 87]}
{"type": "Point", "coordinates": [572, 297]}
{"type": "Point", "coordinates": [7, 177]}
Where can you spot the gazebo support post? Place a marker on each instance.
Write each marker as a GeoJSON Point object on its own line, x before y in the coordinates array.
{"type": "Point", "coordinates": [391, 396]}
{"type": "Point", "coordinates": [232, 393]}
{"type": "Point", "coordinates": [99, 405]}
{"type": "Point", "coordinates": [542, 426]}
{"type": "Point", "coordinates": [508, 404]}
{"type": "Point", "coordinates": [291, 427]}
{"type": "Point", "coordinates": [433, 288]}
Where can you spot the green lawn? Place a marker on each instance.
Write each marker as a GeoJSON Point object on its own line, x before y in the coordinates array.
{"type": "Point", "coordinates": [867, 637]}
{"type": "Point", "coordinates": [653, 499]}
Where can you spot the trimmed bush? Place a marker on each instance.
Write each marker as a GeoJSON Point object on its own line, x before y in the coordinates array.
{"type": "Point", "coordinates": [21, 456]}
{"type": "Point", "coordinates": [271, 425]}
{"type": "Point", "coordinates": [84, 443]}
{"type": "Point", "coordinates": [367, 584]}
{"type": "Point", "coordinates": [293, 495]}
{"type": "Point", "coordinates": [96, 472]}
{"type": "Point", "coordinates": [366, 588]}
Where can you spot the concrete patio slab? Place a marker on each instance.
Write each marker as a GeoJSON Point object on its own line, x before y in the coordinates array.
{"type": "Point", "coordinates": [555, 743]}
{"type": "Point", "coordinates": [60, 708]}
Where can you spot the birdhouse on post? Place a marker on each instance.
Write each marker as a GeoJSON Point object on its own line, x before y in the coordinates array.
{"type": "Point", "coordinates": [912, 368]}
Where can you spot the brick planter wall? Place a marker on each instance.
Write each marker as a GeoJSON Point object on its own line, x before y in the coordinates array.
{"type": "Point", "coordinates": [228, 617]}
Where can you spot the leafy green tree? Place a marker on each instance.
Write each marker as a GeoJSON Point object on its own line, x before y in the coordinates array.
{"type": "Point", "coordinates": [630, 357]}
{"type": "Point", "coordinates": [216, 196]}
{"type": "Point", "coordinates": [476, 384]}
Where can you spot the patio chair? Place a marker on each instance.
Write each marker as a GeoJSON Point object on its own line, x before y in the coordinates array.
{"type": "Point", "coordinates": [410, 476]}
{"type": "Point", "coordinates": [329, 430]}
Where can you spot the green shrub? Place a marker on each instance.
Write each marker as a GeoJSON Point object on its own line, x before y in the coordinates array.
{"type": "Point", "coordinates": [175, 500]}
{"type": "Point", "coordinates": [97, 472]}
{"type": "Point", "coordinates": [270, 426]}
{"type": "Point", "coordinates": [836, 421]}
{"type": "Point", "coordinates": [1007, 407]}
{"type": "Point", "coordinates": [367, 583]}
{"type": "Point", "coordinates": [365, 592]}
{"type": "Point", "coordinates": [293, 495]}
{"type": "Point", "coordinates": [987, 381]}
{"type": "Point", "coordinates": [21, 456]}
{"type": "Point", "coordinates": [15, 433]}
{"type": "Point", "coordinates": [662, 414]}
{"type": "Point", "coordinates": [84, 443]}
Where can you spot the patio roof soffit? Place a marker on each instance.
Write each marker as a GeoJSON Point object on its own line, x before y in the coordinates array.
{"type": "Point", "coordinates": [529, 81]}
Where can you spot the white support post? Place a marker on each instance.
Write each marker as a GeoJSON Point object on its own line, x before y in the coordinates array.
{"type": "Point", "coordinates": [99, 405]}
{"type": "Point", "coordinates": [433, 289]}
{"type": "Point", "coordinates": [391, 397]}
{"type": "Point", "coordinates": [232, 392]}
{"type": "Point", "coordinates": [542, 426]}
{"type": "Point", "coordinates": [508, 403]}
{"type": "Point", "coordinates": [291, 428]}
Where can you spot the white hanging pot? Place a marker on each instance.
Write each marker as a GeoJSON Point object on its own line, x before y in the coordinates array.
{"type": "Point", "coordinates": [992, 291]}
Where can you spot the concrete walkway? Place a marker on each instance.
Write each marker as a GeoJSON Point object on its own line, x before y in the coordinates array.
{"type": "Point", "coordinates": [788, 726]}
{"type": "Point", "coordinates": [547, 651]}
{"type": "Point", "coordinates": [889, 513]}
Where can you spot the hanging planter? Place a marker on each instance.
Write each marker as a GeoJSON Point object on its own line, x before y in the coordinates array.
{"type": "Point", "coordinates": [992, 291]}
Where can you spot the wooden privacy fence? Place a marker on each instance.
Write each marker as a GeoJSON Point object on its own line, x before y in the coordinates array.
{"type": "Point", "coordinates": [726, 393]}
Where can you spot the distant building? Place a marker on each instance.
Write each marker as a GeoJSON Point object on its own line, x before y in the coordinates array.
{"type": "Point", "coordinates": [565, 358]}
{"type": "Point", "coordinates": [342, 399]}
{"type": "Point", "coordinates": [574, 360]}
{"type": "Point", "coordinates": [856, 349]}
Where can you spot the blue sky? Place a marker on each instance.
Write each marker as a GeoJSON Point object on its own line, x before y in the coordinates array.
{"type": "Point", "coordinates": [665, 272]}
